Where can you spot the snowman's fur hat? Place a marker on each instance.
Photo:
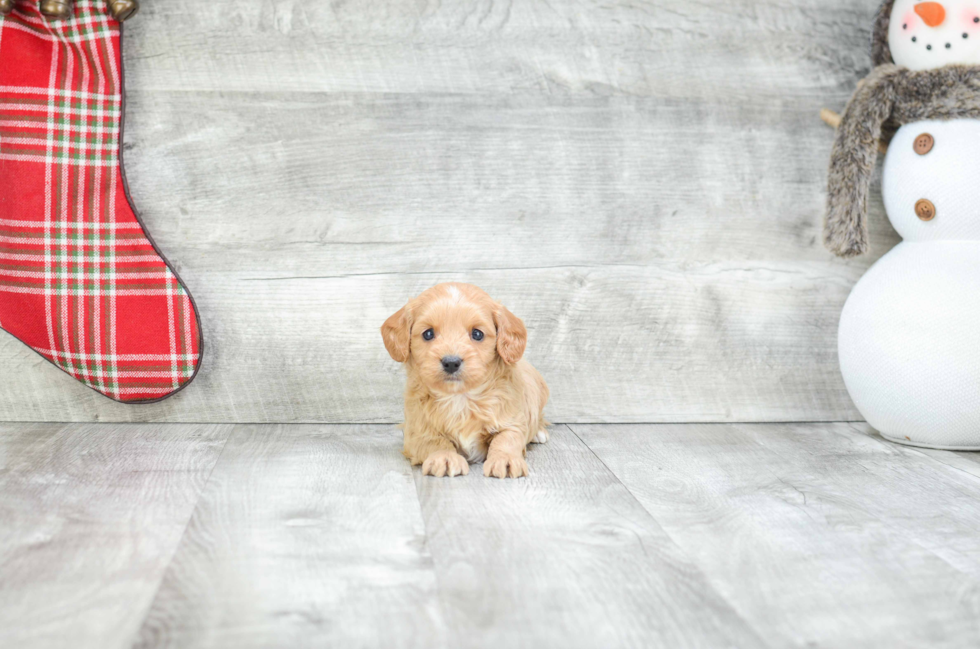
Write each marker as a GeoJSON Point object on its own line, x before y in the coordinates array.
{"type": "Point", "coordinates": [886, 99]}
{"type": "Point", "coordinates": [881, 53]}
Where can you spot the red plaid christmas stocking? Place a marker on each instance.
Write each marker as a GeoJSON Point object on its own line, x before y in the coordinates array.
{"type": "Point", "coordinates": [80, 280]}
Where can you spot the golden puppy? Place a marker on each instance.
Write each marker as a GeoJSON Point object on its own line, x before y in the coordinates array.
{"type": "Point", "coordinates": [470, 397]}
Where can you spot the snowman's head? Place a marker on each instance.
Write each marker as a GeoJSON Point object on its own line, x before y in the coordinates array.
{"type": "Point", "coordinates": [923, 35]}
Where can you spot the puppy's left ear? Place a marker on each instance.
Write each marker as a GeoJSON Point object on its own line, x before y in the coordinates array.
{"type": "Point", "coordinates": [397, 334]}
{"type": "Point", "coordinates": [511, 335]}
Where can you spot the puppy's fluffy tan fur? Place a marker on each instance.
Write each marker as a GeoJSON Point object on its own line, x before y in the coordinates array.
{"type": "Point", "coordinates": [488, 411]}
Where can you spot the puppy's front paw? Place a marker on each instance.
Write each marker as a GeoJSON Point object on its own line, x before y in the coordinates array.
{"type": "Point", "coordinates": [542, 437]}
{"type": "Point", "coordinates": [445, 463]}
{"type": "Point", "coordinates": [502, 465]}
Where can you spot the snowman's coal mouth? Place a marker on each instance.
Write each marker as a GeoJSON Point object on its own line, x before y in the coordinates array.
{"type": "Point", "coordinates": [949, 45]}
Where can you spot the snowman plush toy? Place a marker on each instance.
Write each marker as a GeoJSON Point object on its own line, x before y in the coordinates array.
{"type": "Point", "coordinates": [909, 338]}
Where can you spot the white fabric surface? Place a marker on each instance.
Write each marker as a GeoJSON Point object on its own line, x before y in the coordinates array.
{"type": "Point", "coordinates": [909, 339]}
{"type": "Point", "coordinates": [949, 176]}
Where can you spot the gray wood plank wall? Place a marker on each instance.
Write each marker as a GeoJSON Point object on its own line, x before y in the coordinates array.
{"type": "Point", "coordinates": [642, 182]}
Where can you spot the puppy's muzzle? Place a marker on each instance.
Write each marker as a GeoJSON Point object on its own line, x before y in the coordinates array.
{"type": "Point", "coordinates": [451, 364]}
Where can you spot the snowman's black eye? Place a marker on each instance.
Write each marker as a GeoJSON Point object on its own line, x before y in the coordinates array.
{"type": "Point", "coordinates": [428, 334]}
{"type": "Point", "coordinates": [477, 335]}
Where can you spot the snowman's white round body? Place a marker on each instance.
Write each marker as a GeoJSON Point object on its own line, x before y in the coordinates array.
{"type": "Point", "coordinates": [909, 338]}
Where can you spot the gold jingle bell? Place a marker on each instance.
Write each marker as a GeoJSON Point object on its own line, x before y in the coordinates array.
{"type": "Point", "coordinates": [6, 6]}
{"type": "Point", "coordinates": [123, 9]}
{"type": "Point", "coordinates": [55, 9]}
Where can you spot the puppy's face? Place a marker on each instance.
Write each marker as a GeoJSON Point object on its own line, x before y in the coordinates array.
{"type": "Point", "coordinates": [452, 336]}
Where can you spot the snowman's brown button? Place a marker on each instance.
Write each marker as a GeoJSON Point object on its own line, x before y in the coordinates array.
{"type": "Point", "coordinates": [925, 210]}
{"type": "Point", "coordinates": [923, 144]}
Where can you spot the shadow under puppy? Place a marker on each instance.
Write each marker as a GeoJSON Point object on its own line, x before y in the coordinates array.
{"type": "Point", "coordinates": [470, 396]}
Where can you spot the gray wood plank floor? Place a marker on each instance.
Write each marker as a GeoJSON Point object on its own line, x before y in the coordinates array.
{"type": "Point", "coordinates": [90, 517]}
{"type": "Point", "coordinates": [761, 535]}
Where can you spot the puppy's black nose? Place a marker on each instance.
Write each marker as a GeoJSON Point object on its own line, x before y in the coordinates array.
{"type": "Point", "coordinates": [450, 364]}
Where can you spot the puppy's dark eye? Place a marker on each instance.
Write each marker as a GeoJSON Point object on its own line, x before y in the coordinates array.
{"type": "Point", "coordinates": [477, 335]}
{"type": "Point", "coordinates": [428, 334]}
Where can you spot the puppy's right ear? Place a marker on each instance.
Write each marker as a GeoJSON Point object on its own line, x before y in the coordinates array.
{"type": "Point", "coordinates": [397, 334]}
{"type": "Point", "coordinates": [511, 335]}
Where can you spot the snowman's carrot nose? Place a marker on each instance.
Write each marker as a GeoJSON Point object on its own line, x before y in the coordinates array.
{"type": "Point", "coordinates": [932, 13]}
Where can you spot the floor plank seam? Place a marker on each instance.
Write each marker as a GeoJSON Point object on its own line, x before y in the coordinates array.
{"type": "Point", "coordinates": [919, 542]}
{"type": "Point", "coordinates": [921, 453]}
{"type": "Point", "coordinates": [880, 519]}
{"type": "Point", "coordinates": [707, 579]}
{"type": "Point", "coordinates": [436, 574]}
{"type": "Point", "coordinates": [183, 533]}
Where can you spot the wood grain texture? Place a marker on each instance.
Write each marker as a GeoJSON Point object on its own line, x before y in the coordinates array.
{"type": "Point", "coordinates": [566, 558]}
{"type": "Point", "coordinates": [90, 516]}
{"type": "Point", "coordinates": [305, 537]}
{"type": "Point", "coordinates": [642, 183]}
{"type": "Point", "coordinates": [747, 535]}
{"type": "Point", "coordinates": [819, 535]}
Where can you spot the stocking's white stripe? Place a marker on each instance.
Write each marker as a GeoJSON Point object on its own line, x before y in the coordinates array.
{"type": "Point", "coordinates": [11, 223]}
{"type": "Point", "coordinates": [58, 92]}
{"type": "Point", "coordinates": [118, 357]}
{"type": "Point", "coordinates": [78, 292]}
{"type": "Point", "coordinates": [30, 274]}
